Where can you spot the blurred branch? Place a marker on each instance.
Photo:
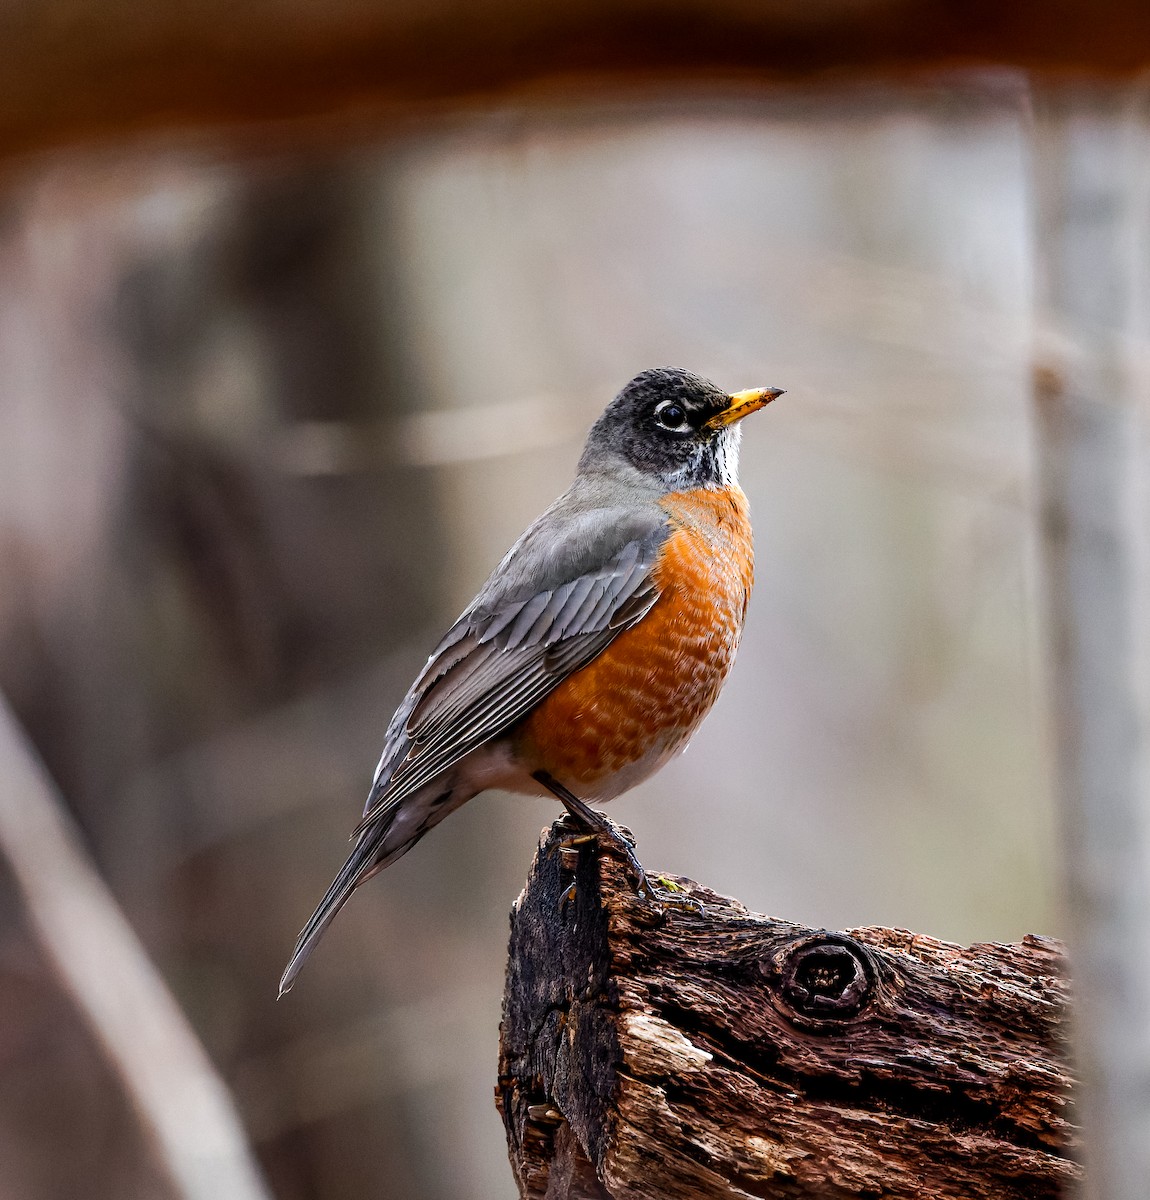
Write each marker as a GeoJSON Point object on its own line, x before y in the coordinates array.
{"type": "Point", "coordinates": [1093, 246]}
{"type": "Point", "coordinates": [435, 437]}
{"type": "Point", "coordinates": [165, 1072]}
{"type": "Point", "coordinates": [82, 70]}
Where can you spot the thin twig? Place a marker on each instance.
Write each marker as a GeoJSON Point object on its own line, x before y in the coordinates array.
{"type": "Point", "coordinates": [181, 1102]}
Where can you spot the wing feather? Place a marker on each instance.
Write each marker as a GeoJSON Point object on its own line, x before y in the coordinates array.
{"type": "Point", "coordinates": [498, 663]}
{"type": "Point", "coordinates": [517, 633]}
{"type": "Point", "coordinates": [565, 618]}
{"type": "Point", "coordinates": [580, 574]}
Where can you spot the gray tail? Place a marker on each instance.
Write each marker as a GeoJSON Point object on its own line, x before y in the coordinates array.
{"type": "Point", "coordinates": [351, 874]}
{"type": "Point", "coordinates": [389, 837]}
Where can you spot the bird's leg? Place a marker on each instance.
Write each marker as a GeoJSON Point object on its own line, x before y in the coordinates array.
{"type": "Point", "coordinates": [598, 825]}
{"type": "Point", "coordinates": [591, 819]}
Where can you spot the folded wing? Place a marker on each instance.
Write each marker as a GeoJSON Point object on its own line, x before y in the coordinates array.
{"type": "Point", "coordinates": [496, 665]}
{"type": "Point", "coordinates": [537, 621]}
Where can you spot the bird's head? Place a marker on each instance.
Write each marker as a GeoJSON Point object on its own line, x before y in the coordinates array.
{"type": "Point", "coordinates": [674, 427]}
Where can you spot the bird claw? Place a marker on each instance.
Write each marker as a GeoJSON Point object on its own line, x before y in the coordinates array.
{"type": "Point", "coordinates": [572, 841]}
{"type": "Point", "coordinates": [667, 891]}
{"type": "Point", "coordinates": [655, 888]}
{"type": "Point", "coordinates": [664, 894]}
{"type": "Point", "coordinates": [601, 830]}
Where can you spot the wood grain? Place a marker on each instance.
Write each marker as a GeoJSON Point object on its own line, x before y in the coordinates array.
{"type": "Point", "coordinates": [654, 1051]}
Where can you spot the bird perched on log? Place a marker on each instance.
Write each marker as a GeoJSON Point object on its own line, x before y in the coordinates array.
{"type": "Point", "coordinates": [597, 645]}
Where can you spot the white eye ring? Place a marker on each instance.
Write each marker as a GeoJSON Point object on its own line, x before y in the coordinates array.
{"type": "Point", "coordinates": [680, 426]}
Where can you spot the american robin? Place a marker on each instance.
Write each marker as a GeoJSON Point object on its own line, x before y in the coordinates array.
{"type": "Point", "coordinates": [597, 645]}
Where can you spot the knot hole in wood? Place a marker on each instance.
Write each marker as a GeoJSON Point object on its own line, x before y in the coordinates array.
{"type": "Point", "coordinates": [825, 978]}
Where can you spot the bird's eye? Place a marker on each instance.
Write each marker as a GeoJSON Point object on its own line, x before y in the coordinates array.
{"type": "Point", "coordinates": [672, 415]}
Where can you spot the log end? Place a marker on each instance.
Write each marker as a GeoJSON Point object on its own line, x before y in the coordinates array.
{"type": "Point", "coordinates": [653, 1050]}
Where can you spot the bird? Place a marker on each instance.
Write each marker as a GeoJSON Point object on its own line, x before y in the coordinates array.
{"type": "Point", "coordinates": [595, 648]}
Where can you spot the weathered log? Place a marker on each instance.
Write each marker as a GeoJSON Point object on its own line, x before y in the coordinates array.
{"type": "Point", "coordinates": [651, 1050]}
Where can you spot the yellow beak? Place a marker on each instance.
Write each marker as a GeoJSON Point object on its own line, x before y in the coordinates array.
{"type": "Point", "coordinates": [743, 404]}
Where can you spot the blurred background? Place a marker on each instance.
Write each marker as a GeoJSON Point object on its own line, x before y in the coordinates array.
{"type": "Point", "coordinates": [272, 404]}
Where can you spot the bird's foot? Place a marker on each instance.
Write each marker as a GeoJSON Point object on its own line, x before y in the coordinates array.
{"type": "Point", "coordinates": [656, 888]}
{"type": "Point", "coordinates": [670, 891]}
{"type": "Point", "coordinates": [568, 896]}
{"type": "Point", "coordinates": [600, 829]}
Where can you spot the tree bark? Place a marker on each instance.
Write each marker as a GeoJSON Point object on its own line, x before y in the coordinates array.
{"type": "Point", "coordinates": [650, 1050]}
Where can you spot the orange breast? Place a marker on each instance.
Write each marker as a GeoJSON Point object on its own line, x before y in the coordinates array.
{"type": "Point", "coordinates": [642, 698]}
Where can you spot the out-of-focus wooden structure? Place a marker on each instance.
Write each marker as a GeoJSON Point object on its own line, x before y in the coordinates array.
{"type": "Point", "coordinates": [77, 70]}
{"type": "Point", "coordinates": [1093, 435]}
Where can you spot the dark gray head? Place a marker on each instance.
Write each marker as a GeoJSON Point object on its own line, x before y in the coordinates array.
{"type": "Point", "coordinates": [674, 426]}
